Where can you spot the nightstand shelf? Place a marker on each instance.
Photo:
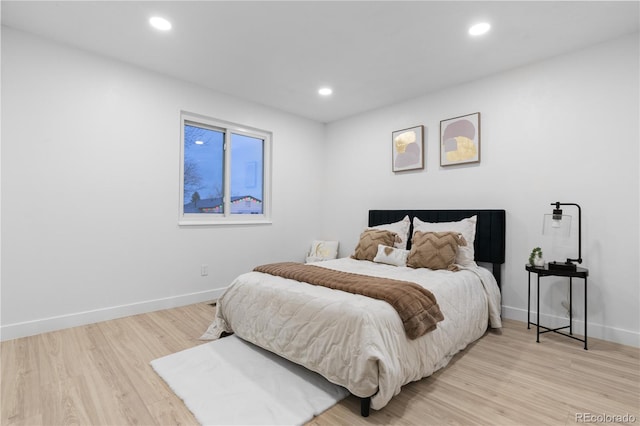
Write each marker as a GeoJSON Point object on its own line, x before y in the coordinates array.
{"type": "Point", "coordinates": [544, 271]}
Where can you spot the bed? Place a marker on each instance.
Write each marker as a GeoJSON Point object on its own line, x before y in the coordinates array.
{"type": "Point", "coordinates": [357, 341]}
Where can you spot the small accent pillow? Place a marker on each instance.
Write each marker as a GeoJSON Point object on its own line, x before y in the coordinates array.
{"type": "Point", "coordinates": [401, 228]}
{"type": "Point", "coordinates": [367, 247]}
{"type": "Point", "coordinates": [466, 227]}
{"type": "Point", "coordinates": [391, 256]}
{"type": "Point", "coordinates": [435, 250]}
{"type": "Point", "coordinates": [322, 250]}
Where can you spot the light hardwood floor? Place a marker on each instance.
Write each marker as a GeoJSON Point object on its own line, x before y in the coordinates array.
{"type": "Point", "coordinates": [100, 375]}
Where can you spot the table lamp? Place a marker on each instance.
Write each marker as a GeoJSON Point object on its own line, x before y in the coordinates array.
{"type": "Point", "coordinates": [560, 224]}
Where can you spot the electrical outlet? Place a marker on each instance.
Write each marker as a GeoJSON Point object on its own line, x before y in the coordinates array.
{"type": "Point", "coordinates": [204, 270]}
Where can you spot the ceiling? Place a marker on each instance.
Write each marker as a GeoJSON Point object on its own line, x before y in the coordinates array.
{"type": "Point", "coordinates": [372, 53]}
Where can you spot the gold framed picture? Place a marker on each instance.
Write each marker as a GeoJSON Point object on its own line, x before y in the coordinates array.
{"type": "Point", "coordinates": [460, 140]}
{"type": "Point", "coordinates": [407, 149]}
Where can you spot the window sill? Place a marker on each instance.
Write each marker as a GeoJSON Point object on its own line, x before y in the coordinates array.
{"type": "Point", "coordinates": [224, 222]}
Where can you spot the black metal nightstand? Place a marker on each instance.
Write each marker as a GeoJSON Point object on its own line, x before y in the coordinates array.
{"type": "Point", "coordinates": [544, 271]}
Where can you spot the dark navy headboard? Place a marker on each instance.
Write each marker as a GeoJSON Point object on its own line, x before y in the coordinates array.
{"type": "Point", "coordinates": [489, 245]}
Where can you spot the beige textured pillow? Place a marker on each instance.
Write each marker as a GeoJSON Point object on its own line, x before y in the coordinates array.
{"type": "Point", "coordinates": [467, 227]}
{"type": "Point", "coordinates": [368, 245]}
{"type": "Point", "coordinates": [435, 250]}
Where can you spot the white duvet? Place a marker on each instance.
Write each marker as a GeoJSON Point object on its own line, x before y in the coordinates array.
{"type": "Point", "coordinates": [356, 341]}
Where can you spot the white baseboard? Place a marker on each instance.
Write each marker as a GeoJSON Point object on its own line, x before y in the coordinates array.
{"type": "Point", "coordinates": [43, 325]}
{"type": "Point", "coordinates": [597, 331]}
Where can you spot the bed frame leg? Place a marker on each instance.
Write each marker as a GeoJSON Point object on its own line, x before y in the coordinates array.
{"type": "Point", "coordinates": [365, 405]}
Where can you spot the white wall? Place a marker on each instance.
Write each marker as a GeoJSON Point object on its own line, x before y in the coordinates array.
{"type": "Point", "coordinates": [90, 188]}
{"type": "Point", "coordinates": [566, 129]}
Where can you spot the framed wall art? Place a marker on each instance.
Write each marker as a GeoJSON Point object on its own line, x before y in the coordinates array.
{"type": "Point", "coordinates": [460, 140]}
{"type": "Point", "coordinates": [408, 149]}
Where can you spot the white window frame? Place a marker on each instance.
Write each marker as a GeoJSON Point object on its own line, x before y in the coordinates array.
{"type": "Point", "coordinates": [227, 218]}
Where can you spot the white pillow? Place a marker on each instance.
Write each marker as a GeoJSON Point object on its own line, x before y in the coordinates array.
{"type": "Point", "coordinates": [401, 229]}
{"type": "Point", "coordinates": [391, 255]}
{"type": "Point", "coordinates": [467, 227]}
{"type": "Point", "coordinates": [322, 250]}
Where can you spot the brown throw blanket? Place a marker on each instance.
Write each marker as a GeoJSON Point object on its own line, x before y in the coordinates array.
{"type": "Point", "coordinates": [416, 305]}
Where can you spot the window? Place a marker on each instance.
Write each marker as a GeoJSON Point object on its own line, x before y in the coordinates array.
{"type": "Point", "coordinates": [224, 174]}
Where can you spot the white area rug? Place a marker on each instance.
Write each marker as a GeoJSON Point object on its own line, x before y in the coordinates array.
{"type": "Point", "coordinates": [232, 382]}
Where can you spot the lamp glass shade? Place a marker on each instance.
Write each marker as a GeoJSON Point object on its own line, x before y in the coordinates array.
{"type": "Point", "coordinates": [559, 226]}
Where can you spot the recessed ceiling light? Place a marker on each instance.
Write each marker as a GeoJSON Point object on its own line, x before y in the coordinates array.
{"type": "Point", "coordinates": [479, 29]}
{"type": "Point", "coordinates": [325, 91]}
{"type": "Point", "coordinates": [160, 23]}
